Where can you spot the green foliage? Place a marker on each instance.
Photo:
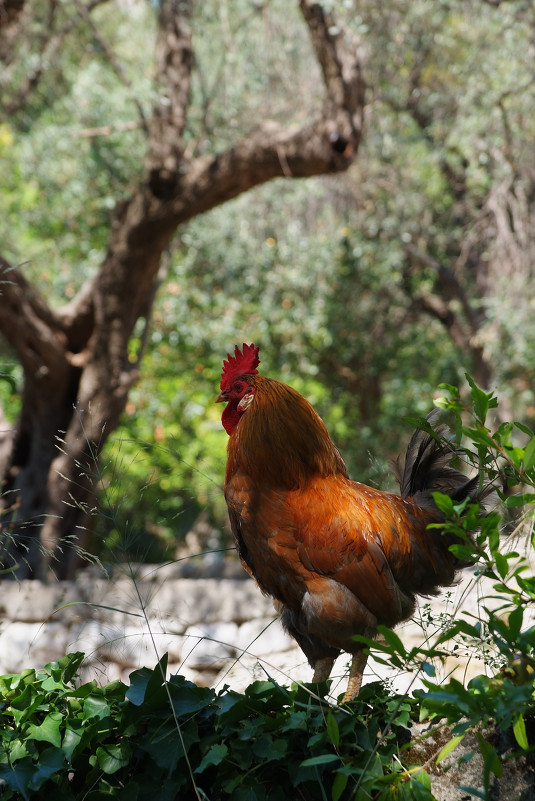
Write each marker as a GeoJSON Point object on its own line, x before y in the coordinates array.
{"type": "Point", "coordinates": [508, 697]}
{"type": "Point", "coordinates": [61, 181]}
{"type": "Point", "coordinates": [504, 699]}
{"type": "Point", "coordinates": [10, 378]}
{"type": "Point", "coordinates": [60, 740]}
{"type": "Point", "coordinates": [317, 272]}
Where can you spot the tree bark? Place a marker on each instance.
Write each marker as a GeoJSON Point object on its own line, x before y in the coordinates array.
{"type": "Point", "coordinates": [451, 306]}
{"type": "Point", "coordinates": [77, 373]}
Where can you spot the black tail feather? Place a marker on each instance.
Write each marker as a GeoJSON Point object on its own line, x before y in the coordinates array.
{"type": "Point", "coordinates": [428, 467]}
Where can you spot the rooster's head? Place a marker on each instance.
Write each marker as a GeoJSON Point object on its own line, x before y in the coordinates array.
{"type": "Point", "coordinates": [237, 384]}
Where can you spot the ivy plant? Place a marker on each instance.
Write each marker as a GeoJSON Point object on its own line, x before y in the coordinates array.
{"type": "Point", "coordinates": [61, 740]}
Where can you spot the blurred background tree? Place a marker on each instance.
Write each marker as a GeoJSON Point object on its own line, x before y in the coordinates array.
{"type": "Point", "coordinates": [365, 289]}
{"type": "Point", "coordinates": [122, 163]}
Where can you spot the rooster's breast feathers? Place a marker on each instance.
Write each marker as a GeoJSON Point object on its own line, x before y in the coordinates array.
{"type": "Point", "coordinates": [332, 528]}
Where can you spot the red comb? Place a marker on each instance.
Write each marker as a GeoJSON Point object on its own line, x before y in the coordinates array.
{"type": "Point", "coordinates": [244, 362]}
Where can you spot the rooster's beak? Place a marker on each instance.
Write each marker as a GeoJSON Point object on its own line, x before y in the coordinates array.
{"type": "Point", "coordinates": [221, 398]}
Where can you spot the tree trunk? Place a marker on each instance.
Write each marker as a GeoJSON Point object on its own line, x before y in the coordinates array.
{"type": "Point", "coordinates": [76, 361]}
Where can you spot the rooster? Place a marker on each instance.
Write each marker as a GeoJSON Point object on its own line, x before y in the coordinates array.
{"type": "Point", "coordinates": [338, 557]}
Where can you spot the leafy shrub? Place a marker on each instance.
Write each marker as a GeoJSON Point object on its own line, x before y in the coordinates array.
{"type": "Point", "coordinates": [506, 700]}
{"type": "Point", "coordinates": [66, 742]}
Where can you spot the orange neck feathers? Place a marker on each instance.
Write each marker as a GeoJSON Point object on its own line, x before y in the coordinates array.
{"type": "Point", "coordinates": [281, 440]}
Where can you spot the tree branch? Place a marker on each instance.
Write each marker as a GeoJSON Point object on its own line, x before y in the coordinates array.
{"type": "Point", "coordinates": [271, 151]}
{"type": "Point", "coordinates": [31, 326]}
{"type": "Point", "coordinates": [28, 324]}
{"type": "Point", "coordinates": [341, 73]}
{"type": "Point", "coordinates": [76, 318]}
{"type": "Point", "coordinates": [10, 10]}
{"type": "Point", "coordinates": [327, 145]}
{"type": "Point", "coordinates": [85, 13]}
{"type": "Point", "coordinates": [462, 326]}
{"type": "Point", "coordinates": [449, 283]}
{"type": "Point", "coordinates": [51, 43]}
{"type": "Point", "coordinates": [174, 59]}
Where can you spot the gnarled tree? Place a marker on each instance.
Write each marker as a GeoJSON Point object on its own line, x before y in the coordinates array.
{"type": "Point", "coordinates": [77, 366]}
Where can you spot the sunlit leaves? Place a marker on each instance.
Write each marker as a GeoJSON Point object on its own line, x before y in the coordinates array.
{"type": "Point", "coordinates": [270, 742]}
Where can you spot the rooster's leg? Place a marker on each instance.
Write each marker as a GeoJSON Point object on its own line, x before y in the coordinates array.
{"type": "Point", "coordinates": [358, 664]}
{"type": "Point", "coordinates": [322, 669]}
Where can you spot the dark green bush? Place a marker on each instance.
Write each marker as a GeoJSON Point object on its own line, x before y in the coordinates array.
{"type": "Point", "coordinates": [177, 740]}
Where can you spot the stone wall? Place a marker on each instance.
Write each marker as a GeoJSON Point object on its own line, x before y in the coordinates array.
{"type": "Point", "coordinates": [210, 617]}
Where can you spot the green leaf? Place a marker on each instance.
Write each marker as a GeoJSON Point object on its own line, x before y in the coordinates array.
{"type": "Point", "coordinates": [18, 776]}
{"type": "Point", "coordinates": [393, 640]}
{"type": "Point", "coordinates": [67, 666]}
{"type": "Point", "coordinates": [75, 733]}
{"type": "Point", "coordinates": [263, 689]}
{"type": "Point", "coordinates": [91, 688]}
{"type": "Point", "coordinates": [481, 400]}
{"type": "Point", "coordinates": [145, 682]}
{"type": "Point", "coordinates": [524, 428]}
{"type": "Point", "coordinates": [24, 705]}
{"type": "Point", "coordinates": [321, 759]}
{"type": "Point", "coordinates": [263, 746]}
{"type": "Point", "coordinates": [465, 552]}
{"type": "Point", "coordinates": [253, 791]}
{"type": "Point", "coordinates": [189, 698]}
{"type": "Point", "coordinates": [51, 761]}
{"type": "Point", "coordinates": [529, 455]}
{"type": "Point", "coordinates": [417, 790]}
{"type": "Point", "coordinates": [491, 761]}
{"type": "Point", "coordinates": [454, 391]}
{"type": "Point", "coordinates": [14, 749]}
{"type": "Point", "coordinates": [444, 502]}
{"type": "Point", "coordinates": [521, 499]}
{"type": "Point", "coordinates": [70, 671]}
{"type": "Point", "coordinates": [214, 756]}
{"type": "Point", "coordinates": [339, 785]}
{"type": "Point", "coordinates": [459, 627]}
{"type": "Point", "coordinates": [519, 730]}
{"type": "Point", "coordinates": [423, 778]}
{"type": "Point", "coordinates": [48, 731]}
{"type": "Point", "coordinates": [95, 706]}
{"type": "Point", "coordinates": [526, 584]}
{"type": "Point", "coordinates": [502, 565]}
{"type": "Point", "coordinates": [332, 729]}
{"type": "Point", "coordinates": [481, 436]}
{"type": "Point", "coordinates": [448, 748]}
{"type": "Point", "coordinates": [139, 681]}
{"type": "Point", "coordinates": [459, 430]}
{"type": "Point", "coordinates": [166, 746]}
{"type": "Point", "coordinates": [514, 622]}
{"type": "Point", "coordinates": [452, 694]}
{"type": "Point", "coordinates": [113, 757]}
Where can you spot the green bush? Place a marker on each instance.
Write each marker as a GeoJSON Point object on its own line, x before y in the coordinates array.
{"type": "Point", "coordinates": [60, 741]}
